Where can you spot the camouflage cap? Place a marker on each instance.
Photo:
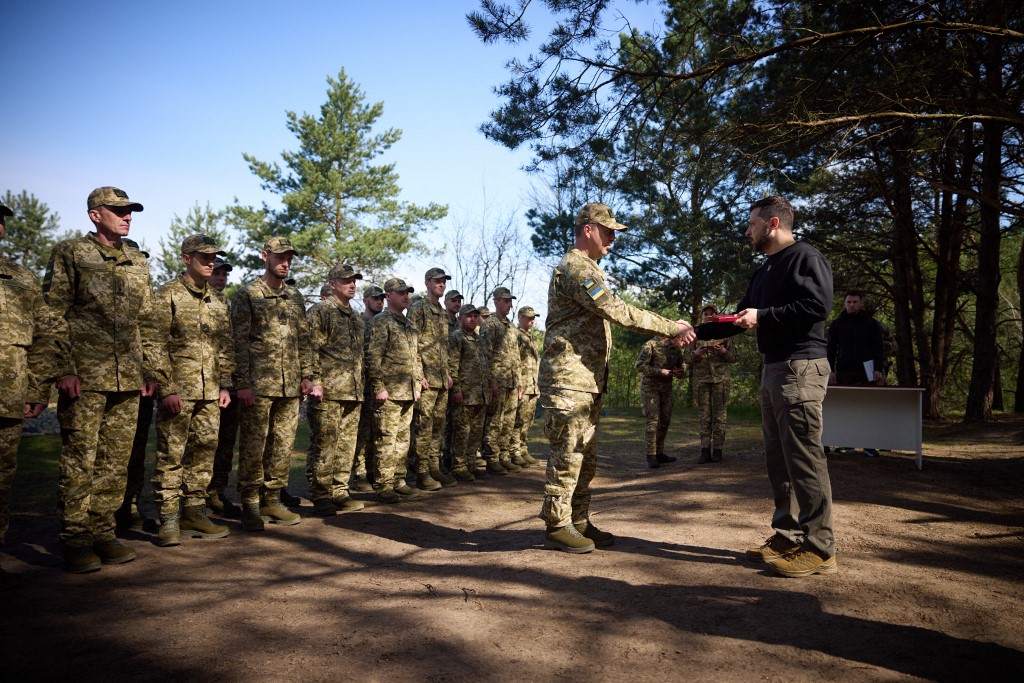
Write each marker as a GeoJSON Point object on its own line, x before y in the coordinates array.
{"type": "Point", "coordinates": [598, 213]}
{"type": "Point", "coordinates": [397, 284]}
{"type": "Point", "coordinates": [468, 308]}
{"type": "Point", "coordinates": [343, 270]}
{"type": "Point", "coordinates": [111, 196]}
{"type": "Point", "coordinates": [372, 291]}
{"type": "Point", "coordinates": [221, 263]}
{"type": "Point", "coordinates": [204, 244]}
{"type": "Point", "coordinates": [5, 210]}
{"type": "Point", "coordinates": [452, 294]}
{"type": "Point", "coordinates": [484, 311]}
{"type": "Point", "coordinates": [435, 273]}
{"type": "Point", "coordinates": [415, 297]}
{"type": "Point", "coordinates": [502, 293]}
{"type": "Point", "coordinates": [325, 292]}
{"type": "Point", "coordinates": [279, 245]}
{"type": "Point", "coordinates": [527, 312]}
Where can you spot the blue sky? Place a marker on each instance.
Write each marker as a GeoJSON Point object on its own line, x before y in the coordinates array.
{"type": "Point", "coordinates": [161, 99]}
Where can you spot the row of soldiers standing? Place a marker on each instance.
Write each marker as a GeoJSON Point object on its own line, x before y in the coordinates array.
{"type": "Point", "coordinates": [100, 333]}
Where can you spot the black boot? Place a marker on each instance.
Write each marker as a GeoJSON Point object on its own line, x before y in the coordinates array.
{"type": "Point", "coordinates": [664, 458]}
{"type": "Point", "coordinates": [652, 462]}
{"type": "Point", "coordinates": [705, 456]}
{"type": "Point", "coordinates": [716, 455]}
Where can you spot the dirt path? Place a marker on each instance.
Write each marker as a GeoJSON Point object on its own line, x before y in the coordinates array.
{"type": "Point", "coordinates": [456, 586]}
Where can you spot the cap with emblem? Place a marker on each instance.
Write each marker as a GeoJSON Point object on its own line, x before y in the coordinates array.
{"type": "Point", "coordinates": [111, 196]}
{"type": "Point", "coordinates": [372, 291]}
{"type": "Point", "coordinates": [221, 263]}
{"type": "Point", "coordinates": [502, 293]}
{"type": "Point", "coordinates": [468, 308]}
{"type": "Point", "coordinates": [600, 214]}
{"type": "Point", "coordinates": [397, 284]}
{"type": "Point", "coordinates": [527, 312]}
{"type": "Point", "coordinates": [343, 270]}
{"type": "Point", "coordinates": [5, 210]}
{"type": "Point", "coordinates": [204, 244]}
{"type": "Point", "coordinates": [452, 294]}
{"type": "Point", "coordinates": [279, 245]}
{"type": "Point", "coordinates": [435, 273]}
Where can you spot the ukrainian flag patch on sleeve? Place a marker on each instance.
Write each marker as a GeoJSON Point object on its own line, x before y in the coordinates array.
{"type": "Point", "coordinates": [594, 289]}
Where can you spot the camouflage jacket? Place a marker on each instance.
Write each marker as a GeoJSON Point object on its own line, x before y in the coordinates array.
{"type": "Point", "coordinates": [500, 344]}
{"type": "Point", "coordinates": [272, 349]}
{"type": "Point", "coordinates": [453, 324]}
{"type": "Point", "coordinates": [432, 324]}
{"type": "Point", "coordinates": [96, 294]}
{"type": "Point", "coordinates": [189, 350]}
{"type": "Point", "coordinates": [470, 373]}
{"type": "Point", "coordinates": [529, 363]}
{"type": "Point", "coordinates": [338, 333]}
{"type": "Point", "coordinates": [712, 367]}
{"type": "Point", "coordinates": [393, 358]}
{"type": "Point", "coordinates": [654, 357]}
{"type": "Point", "coordinates": [26, 349]}
{"type": "Point", "coordinates": [578, 338]}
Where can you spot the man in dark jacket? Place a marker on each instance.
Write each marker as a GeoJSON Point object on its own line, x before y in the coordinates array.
{"type": "Point", "coordinates": [854, 338]}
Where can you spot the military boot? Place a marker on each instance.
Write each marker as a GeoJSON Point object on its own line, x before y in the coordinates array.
{"type": "Point", "coordinates": [652, 462]}
{"type": "Point", "coordinates": [251, 518]}
{"type": "Point", "coordinates": [705, 456]}
{"type": "Point", "coordinates": [509, 465]}
{"type": "Point", "coordinates": [407, 492]}
{"type": "Point", "coordinates": [665, 458]}
{"type": "Point", "coordinates": [716, 455]}
{"type": "Point", "coordinates": [127, 518]}
{"type": "Point", "coordinates": [494, 467]}
{"type": "Point", "coordinates": [388, 496]}
{"type": "Point", "coordinates": [196, 524]}
{"type": "Point", "coordinates": [567, 539]}
{"type": "Point", "coordinates": [464, 475]}
{"type": "Point", "coordinates": [276, 512]}
{"type": "Point", "coordinates": [219, 503]}
{"type": "Point", "coordinates": [170, 533]}
{"type": "Point", "coordinates": [427, 482]}
{"type": "Point", "coordinates": [112, 551]}
{"type": "Point", "coordinates": [81, 559]}
{"type": "Point", "coordinates": [346, 504]}
{"type": "Point", "coordinates": [520, 461]}
{"type": "Point", "coordinates": [602, 539]}
{"type": "Point", "coordinates": [362, 485]}
{"type": "Point", "coordinates": [288, 500]}
{"type": "Point", "coordinates": [530, 460]}
{"type": "Point", "coordinates": [323, 507]}
{"type": "Point", "coordinates": [445, 479]}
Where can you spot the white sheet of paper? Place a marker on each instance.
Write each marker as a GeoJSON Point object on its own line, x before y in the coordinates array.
{"type": "Point", "coordinates": [869, 369]}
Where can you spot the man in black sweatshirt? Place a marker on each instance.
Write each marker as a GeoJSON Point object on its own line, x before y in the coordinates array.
{"type": "Point", "coordinates": [853, 339]}
{"type": "Point", "coordinates": [787, 302]}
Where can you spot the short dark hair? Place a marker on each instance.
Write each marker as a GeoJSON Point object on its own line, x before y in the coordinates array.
{"type": "Point", "coordinates": [775, 207]}
{"type": "Point", "coordinates": [855, 292]}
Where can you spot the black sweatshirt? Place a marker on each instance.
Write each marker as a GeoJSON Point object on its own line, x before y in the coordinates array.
{"type": "Point", "coordinates": [792, 291]}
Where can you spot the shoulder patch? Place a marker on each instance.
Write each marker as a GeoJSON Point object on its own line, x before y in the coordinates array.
{"type": "Point", "coordinates": [595, 290]}
{"type": "Point", "coordinates": [48, 277]}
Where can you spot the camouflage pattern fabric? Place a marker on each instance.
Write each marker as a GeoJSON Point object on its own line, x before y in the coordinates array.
{"type": "Point", "coordinates": [227, 435]}
{"type": "Point", "coordinates": [185, 445]}
{"type": "Point", "coordinates": [96, 431]}
{"type": "Point", "coordinates": [526, 411]}
{"type": "Point", "coordinates": [272, 348]}
{"type": "Point", "coordinates": [334, 428]}
{"type": "Point", "coordinates": [391, 424]}
{"type": "Point", "coordinates": [573, 374]}
{"type": "Point", "coordinates": [529, 366]}
{"type": "Point", "coordinates": [499, 441]}
{"type": "Point", "coordinates": [136, 471]}
{"type": "Point", "coordinates": [467, 432]}
{"type": "Point", "coordinates": [10, 436]}
{"type": "Point", "coordinates": [431, 322]}
{"type": "Point", "coordinates": [337, 334]}
{"type": "Point", "coordinates": [656, 390]}
{"type": "Point", "coordinates": [429, 420]}
{"type": "Point", "coordinates": [265, 447]}
{"type": "Point", "coordinates": [711, 379]}
{"type": "Point", "coordinates": [362, 465]}
{"type": "Point", "coordinates": [95, 295]}
{"type": "Point", "coordinates": [499, 342]}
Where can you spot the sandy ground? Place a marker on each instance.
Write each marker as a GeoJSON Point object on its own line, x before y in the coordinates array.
{"type": "Point", "coordinates": [456, 586]}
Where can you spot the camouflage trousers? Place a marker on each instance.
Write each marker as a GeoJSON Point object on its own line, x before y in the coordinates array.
{"type": "Point", "coordinates": [265, 447]}
{"type": "Point", "coordinates": [10, 436]}
{"type": "Point", "coordinates": [570, 425]}
{"type": "Point", "coordinates": [392, 423]}
{"type": "Point", "coordinates": [712, 408]}
{"type": "Point", "coordinates": [137, 460]}
{"type": "Point", "coordinates": [96, 433]}
{"type": "Point", "coordinates": [227, 435]}
{"type": "Point", "coordinates": [657, 402]}
{"type": "Point", "coordinates": [467, 431]}
{"type": "Point", "coordinates": [334, 428]}
{"type": "Point", "coordinates": [526, 410]}
{"type": "Point", "coordinates": [429, 417]}
{"type": "Point", "coordinates": [185, 446]}
{"type": "Point", "coordinates": [498, 432]}
{"type": "Point", "coordinates": [362, 464]}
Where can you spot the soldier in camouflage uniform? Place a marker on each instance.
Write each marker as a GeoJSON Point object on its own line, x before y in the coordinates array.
{"type": "Point", "coordinates": [25, 369]}
{"type": "Point", "coordinates": [189, 353]}
{"type": "Point", "coordinates": [452, 304]}
{"type": "Point", "coordinates": [658, 363]}
{"type": "Point", "coordinates": [227, 434]}
{"type": "Point", "coordinates": [373, 303]}
{"type": "Point", "coordinates": [274, 367]}
{"type": "Point", "coordinates": [336, 332]}
{"type": "Point", "coordinates": [529, 363]}
{"type": "Point", "coordinates": [96, 287]}
{"type": "Point", "coordinates": [471, 383]}
{"type": "Point", "coordinates": [711, 379]}
{"type": "Point", "coordinates": [500, 343]}
{"type": "Point", "coordinates": [395, 373]}
{"type": "Point", "coordinates": [431, 322]}
{"type": "Point", "coordinates": [573, 373]}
